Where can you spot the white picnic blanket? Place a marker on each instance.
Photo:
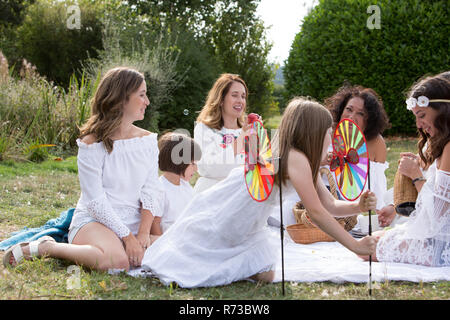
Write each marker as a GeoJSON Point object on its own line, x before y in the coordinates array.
{"type": "Point", "coordinates": [330, 261]}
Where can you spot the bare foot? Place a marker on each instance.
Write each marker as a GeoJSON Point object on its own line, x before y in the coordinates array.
{"type": "Point", "coordinates": [267, 276]}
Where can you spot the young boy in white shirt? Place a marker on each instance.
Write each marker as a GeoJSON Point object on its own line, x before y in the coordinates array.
{"type": "Point", "coordinates": [178, 155]}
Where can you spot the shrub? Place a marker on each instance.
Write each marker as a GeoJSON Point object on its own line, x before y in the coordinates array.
{"type": "Point", "coordinates": [34, 112]}
{"type": "Point", "coordinates": [150, 54]}
{"type": "Point", "coordinates": [335, 45]}
{"type": "Point", "coordinates": [45, 40]}
{"type": "Point", "coordinates": [199, 70]}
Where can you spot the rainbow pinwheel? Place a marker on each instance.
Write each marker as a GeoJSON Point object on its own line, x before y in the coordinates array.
{"type": "Point", "coordinates": [259, 169]}
{"type": "Point", "coordinates": [350, 162]}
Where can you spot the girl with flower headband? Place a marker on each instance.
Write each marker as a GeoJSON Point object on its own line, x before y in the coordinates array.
{"type": "Point", "coordinates": [425, 238]}
{"type": "Point", "coordinates": [220, 130]}
{"type": "Point", "coordinates": [222, 236]}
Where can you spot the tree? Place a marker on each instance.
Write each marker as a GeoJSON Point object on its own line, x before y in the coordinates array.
{"type": "Point", "coordinates": [232, 34]}
{"type": "Point", "coordinates": [45, 39]}
{"type": "Point", "coordinates": [335, 44]}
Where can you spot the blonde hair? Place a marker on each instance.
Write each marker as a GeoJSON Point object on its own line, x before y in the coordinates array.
{"type": "Point", "coordinates": [211, 114]}
{"type": "Point", "coordinates": [303, 127]}
{"type": "Point", "coordinates": [114, 90]}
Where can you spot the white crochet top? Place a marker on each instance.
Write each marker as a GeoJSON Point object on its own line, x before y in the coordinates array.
{"type": "Point", "coordinates": [114, 185]}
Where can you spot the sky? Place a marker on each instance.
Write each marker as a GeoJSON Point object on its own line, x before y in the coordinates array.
{"type": "Point", "coordinates": [284, 17]}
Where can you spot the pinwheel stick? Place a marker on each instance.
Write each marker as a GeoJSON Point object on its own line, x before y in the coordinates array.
{"type": "Point", "coordinates": [370, 233]}
{"type": "Point", "coordinates": [281, 225]}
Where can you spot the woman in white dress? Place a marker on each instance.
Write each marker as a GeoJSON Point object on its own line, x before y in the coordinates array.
{"type": "Point", "coordinates": [425, 238]}
{"type": "Point", "coordinates": [365, 107]}
{"type": "Point", "coordinates": [118, 173]}
{"type": "Point", "coordinates": [219, 130]}
{"type": "Point", "coordinates": [222, 236]}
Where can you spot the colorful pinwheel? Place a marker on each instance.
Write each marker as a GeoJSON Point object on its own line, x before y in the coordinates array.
{"type": "Point", "coordinates": [259, 169]}
{"type": "Point", "coordinates": [350, 162]}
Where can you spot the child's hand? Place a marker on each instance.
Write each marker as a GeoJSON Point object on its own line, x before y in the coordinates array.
{"type": "Point", "coordinates": [367, 201]}
{"type": "Point", "coordinates": [367, 245]}
{"type": "Point", "coordinates": [144, 240]}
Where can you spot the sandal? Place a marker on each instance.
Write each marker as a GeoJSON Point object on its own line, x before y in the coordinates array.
{"type": "Point", "coordinates": [17, 251]}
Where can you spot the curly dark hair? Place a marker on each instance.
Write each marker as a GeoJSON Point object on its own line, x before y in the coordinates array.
{"type": "Point", "coordinates": [434, 87]}
{"type": "Point", "coordinates": [377, 120]}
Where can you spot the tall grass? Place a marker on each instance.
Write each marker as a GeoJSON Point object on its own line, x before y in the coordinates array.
{"type": "Point", "coordinates": [34, 113]}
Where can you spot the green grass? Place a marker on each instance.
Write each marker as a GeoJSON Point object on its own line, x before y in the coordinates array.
{"type": "Point", "coordinates": [30, 194]}
{"type": "Point", "coordinates": [395, 146]}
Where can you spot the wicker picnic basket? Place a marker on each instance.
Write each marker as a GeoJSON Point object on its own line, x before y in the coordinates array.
{"type": "Point", "coordinates": [405, 193]}
{"type": "Point", "coordinates": [304, 231]}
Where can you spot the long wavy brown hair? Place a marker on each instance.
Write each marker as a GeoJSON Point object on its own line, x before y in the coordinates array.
{"type": "Point", "coordinates": [303, 127]}
{"type": "Point", "coordinates": [211, 113]}
{"type": "Point", "coordinates": [434, 87]}
{"type": "Point", "coordinates": [112, 93]}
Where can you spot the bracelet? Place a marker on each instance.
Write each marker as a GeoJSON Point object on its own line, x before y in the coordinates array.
{"type": "Point", "coordinates": [418, 179]}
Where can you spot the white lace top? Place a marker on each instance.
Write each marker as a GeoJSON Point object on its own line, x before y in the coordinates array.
{"type": "Point", "coordinates": [114, 185]}
{"type": "Point", "coordinates": [218, 157]}
{"type": "Point", "coordinates": [425, 238]}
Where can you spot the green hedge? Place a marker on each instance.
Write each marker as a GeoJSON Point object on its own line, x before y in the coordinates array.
{"type": "Point", "coordinates": [335, 45]}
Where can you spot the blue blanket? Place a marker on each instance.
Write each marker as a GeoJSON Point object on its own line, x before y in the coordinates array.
{"type": "Point", "coordinates": [57, 228]}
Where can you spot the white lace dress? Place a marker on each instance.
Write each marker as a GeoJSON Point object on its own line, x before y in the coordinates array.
{"type": "Point", "coordinates": [114, 185]}
{"type": "Point", "coordinates": [221, 237]}
{"type": "Point", "coordinates": [425, 238]}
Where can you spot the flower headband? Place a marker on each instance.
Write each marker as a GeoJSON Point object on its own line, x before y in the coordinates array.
{"type": "Point", "coordinates": [421, 101]}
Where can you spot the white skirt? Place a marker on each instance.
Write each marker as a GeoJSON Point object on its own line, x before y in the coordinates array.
{"type": "Point", "coordinates": [221, 237]}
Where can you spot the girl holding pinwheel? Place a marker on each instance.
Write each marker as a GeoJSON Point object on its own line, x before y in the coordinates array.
{"type": "Point", "coordinates": [223, 236]}
{"type": "Point", "coordinates": [425, 238]}
{"type": "Point", "coordinates": [364, 107]}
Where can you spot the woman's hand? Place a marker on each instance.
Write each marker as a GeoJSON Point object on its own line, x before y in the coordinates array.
{"type": "Point", "coordinates": [327, 159]}
{"type": "Point", "coordinates": [408, 165]}
{"type": "Point", "coordinates": [367, 201]}
{"type": "Point", "coordinates": [144, 240]}
{"type": "Point", "coordinates": [386, 215]}
{"type": "Point", "coordinates": [134, 250]}
{"type": "Point", "coordinates": [239, 142]}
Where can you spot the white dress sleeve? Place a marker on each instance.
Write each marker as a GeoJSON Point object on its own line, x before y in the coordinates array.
{"type": "Point", "coordinates": [90, 162]}
{"type": "Point", "coordinates": [152, 192]}
{"type": "Point", "coordinates": [218, 159]}
{"type": "Point", "coordinates": [378, 182]}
